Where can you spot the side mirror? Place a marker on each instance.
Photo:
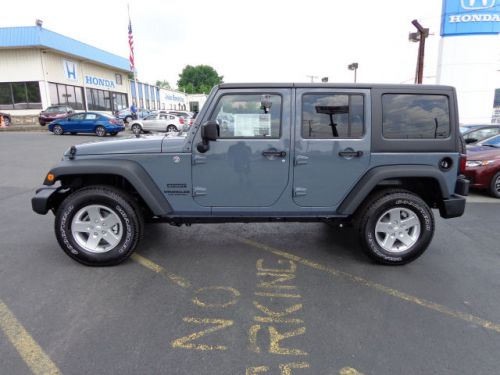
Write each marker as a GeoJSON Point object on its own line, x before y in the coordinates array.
{"type": "Point", "coordinates": [470, 140]}
{"type": "Point", "coordinates": [210, 131]}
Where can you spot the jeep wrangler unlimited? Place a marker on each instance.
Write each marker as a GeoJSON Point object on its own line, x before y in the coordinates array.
{"type": "Point", "coordinates": [378, 156]}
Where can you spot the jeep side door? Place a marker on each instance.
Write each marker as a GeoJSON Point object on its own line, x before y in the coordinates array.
{"type": "Point", "coordinates": [248, 165]}
{"type": "Point", "coordinates": [332, 144]}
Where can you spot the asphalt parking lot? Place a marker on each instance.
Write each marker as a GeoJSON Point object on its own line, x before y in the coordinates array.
{"type": "Point", "coordinates": [240, 298]}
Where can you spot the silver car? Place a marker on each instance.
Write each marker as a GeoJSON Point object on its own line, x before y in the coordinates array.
{"type": "Point", "coordinates": [158, 122]}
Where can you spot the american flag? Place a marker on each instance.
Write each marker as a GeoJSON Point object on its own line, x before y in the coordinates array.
{"type": "Point", "coordinates": [131, 45]}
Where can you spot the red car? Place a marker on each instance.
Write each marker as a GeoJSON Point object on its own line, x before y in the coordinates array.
{"type": "Point", "coordinates": [482, 168]}
{"type": "Point", "coordinates": [54, 113]}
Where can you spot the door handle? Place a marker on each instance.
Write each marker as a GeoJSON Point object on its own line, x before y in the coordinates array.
{"type": "Point", "coordinates": [350, 154]}
{"type": "Point", "coordinates": [280, 154]}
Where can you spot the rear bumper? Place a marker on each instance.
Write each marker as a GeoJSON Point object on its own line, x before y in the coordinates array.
{"type": "Point", "coordinates": [41, 202]}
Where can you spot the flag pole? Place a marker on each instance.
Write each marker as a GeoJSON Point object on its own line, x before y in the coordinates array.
{"type": "Point", "coordinates": [134, 70]}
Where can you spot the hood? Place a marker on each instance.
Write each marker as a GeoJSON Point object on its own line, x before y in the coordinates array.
{"type": "Point", "coordinates": [483, 153]}
{"type": "Point", "coordinates": [145, 144]}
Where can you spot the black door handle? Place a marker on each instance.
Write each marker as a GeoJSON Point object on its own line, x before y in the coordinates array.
{"type": "Point", "coordinates": [280, 154]}
{"type": "Point", "coordinates": [351, 154]}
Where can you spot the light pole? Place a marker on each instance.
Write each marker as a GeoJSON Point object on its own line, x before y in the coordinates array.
{"type": "Point", "coordinates": [354, 66]}
{"type": "Point", "coordinates": [420, 37]}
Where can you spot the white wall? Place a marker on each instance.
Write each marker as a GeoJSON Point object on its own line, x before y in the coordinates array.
{"type": "Point", "coordinates": [471, 64]}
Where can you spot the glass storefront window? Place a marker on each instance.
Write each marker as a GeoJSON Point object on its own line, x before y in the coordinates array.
{"type": "Point", "coordinates": [20, 95]}
{"type": "Point", "coordinates": [66, 95]}
{"type": "Point", "coordinates": [5, 96]}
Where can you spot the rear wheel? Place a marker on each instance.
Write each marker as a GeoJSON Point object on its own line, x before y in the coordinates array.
{"type": "Point", "coordinates": [6, 121]}
{"type": "Point", "coordinates": [98, 226]}
{"type": "Point", "coordinates": [495, 185]}
{"type": "Point", "coordinates": [171, 129]}
{"type": "Point", "coordinates": [100, 131]}
{"type": "Point", "coordinates": [58, 130]}
{"type": "Point", "coordinates": [395, 227]}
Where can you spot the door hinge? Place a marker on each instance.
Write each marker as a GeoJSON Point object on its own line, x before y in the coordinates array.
{"type": "Point", "coordinates": [301, 160]}
{"type": "Point", "coordinates": [197, 159]}
{"type": "Point", "coordinates": [299, 192]}
{"type": "Point", "coordinates": [199, 191]}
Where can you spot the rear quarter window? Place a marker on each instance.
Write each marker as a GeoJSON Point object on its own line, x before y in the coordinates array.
{"type": "Point", "coordinates": [413, 116]}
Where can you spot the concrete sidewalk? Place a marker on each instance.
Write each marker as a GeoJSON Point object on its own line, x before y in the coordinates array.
{"type": "Point", "coordinates": [23, 128]}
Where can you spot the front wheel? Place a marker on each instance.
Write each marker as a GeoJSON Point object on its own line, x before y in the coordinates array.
{"type": "Point", "coordinates": [58, 130]}
{"type": "Point", "coordinates": [128, 119]}
{"type": "Point", "coordinates": [98, 226]}
{"type": "Point", "coordinates": [495, 185]}
{"type": "Point", "coordinates": [136, 129]}
{"type": "Point", "coordinates": [100, 131]}
{"type": "Point", "coordinates": [396, 227]}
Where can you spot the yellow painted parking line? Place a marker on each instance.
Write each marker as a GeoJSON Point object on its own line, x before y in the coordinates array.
{"type": "Point", "coordinates": [145, 262]}
{"type": "Point", "coordinates": [370, 284]}
{"type": "Point", "coordinates": [32, 354]}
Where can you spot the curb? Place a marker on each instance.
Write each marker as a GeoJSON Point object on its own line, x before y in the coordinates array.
{"type": "Point", "coordinates": [23, 128]}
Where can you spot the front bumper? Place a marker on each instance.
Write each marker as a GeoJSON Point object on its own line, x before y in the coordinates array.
{"type": "Point", "coordinates": [43, 200]}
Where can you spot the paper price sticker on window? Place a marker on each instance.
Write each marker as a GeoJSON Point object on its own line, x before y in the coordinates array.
{"type": "Point", "coordinates": [252, 125]}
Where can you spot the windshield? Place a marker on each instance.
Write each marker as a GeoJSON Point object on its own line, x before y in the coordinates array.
{"type": "Point", "coordinates": [492, 142]}
{"type": "Point", "coordinates": [55, 109]}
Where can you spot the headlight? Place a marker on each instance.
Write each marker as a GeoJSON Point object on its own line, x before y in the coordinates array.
{"type": "Point", "coordinates": [478, 163]}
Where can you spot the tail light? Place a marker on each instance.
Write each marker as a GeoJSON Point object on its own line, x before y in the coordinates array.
{"type": "Point", "coordinates": [463, 161]}
{"type": "Point", "coordinates": [181, 120]}
{"type": "Point", "coordinates": [114, 122]}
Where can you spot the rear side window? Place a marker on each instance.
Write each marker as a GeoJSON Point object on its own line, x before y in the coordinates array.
{"type": "Point", "coordinates": [328, 116]}
{"type": "Point", "coordinates": [406, 116]}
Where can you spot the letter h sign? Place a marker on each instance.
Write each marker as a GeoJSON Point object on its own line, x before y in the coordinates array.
{"type": "Point", "coordinates": [70, 71]}
{"type": "Point", "coordinates": [477, 4]}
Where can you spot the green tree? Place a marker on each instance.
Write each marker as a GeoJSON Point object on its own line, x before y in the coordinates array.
{"type": "Point", "coordinates": [198, 79]}
{"type": "Point", "coordinates": [163, 84]}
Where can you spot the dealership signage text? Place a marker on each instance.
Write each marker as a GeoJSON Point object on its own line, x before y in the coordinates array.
{"type": "Point", "coordinates": [89, 80]}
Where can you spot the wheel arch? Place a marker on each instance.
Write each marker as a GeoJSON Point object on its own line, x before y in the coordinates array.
{"type": "Point", "coordinates": [124, 174]}
{"type": "Point", "coordinates": [426, 181]}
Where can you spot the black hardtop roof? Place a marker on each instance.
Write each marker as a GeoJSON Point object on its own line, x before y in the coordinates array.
{"type": "Point", "coordinates": [333, 86]}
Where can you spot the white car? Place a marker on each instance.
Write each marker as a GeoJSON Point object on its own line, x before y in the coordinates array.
{"type": "Point", "coordinates": [158, 122]}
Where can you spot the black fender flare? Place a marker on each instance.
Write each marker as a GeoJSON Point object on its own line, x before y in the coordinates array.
{"type": "Point", "coordinates": [130, 170]}
{"type": "Point", "coordinates": [376, 175]}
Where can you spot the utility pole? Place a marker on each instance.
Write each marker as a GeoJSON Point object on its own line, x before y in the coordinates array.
{"type": "Point", "coordinates": [420, 37]}
{"type": "Point", "coordinates": [312, 77]}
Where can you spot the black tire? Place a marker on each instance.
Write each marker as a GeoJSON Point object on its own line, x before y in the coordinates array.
{"type": "Point", "coordinates": [128, 227]}
{"type": "Point", "coordinates": [100, 131]}
{"type": "Point", "coordinates": [495, 186]}
{"type": "Point", "coordinates": [113, 133]}
{"type": "Point", "coordinates": [171, 129]}
{"type": "Point", "coordinates": [58, 130]}
{"type": "Point", "coordinates": [42, 123]}
{"type": "Point", "coordinates": [128, 119]}
{"type": "Point", "coordinates": [6, 121]}
{"type": "Point", "coordinates": [136, 129]}
{"type": "Point", "coordinates": [387, 247]}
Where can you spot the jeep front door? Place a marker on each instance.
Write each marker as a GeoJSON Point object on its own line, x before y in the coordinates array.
{"type": "Point", "coordinates": [248, 165]}
{"type": "Point", "coordinates": [332, 144]}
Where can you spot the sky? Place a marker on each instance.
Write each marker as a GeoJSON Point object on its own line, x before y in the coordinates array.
{"type": "Point", "coordinates": [250, 41]}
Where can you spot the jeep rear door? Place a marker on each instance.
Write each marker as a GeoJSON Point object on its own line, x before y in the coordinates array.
{"type": "Point", "coordinates": [249, 164]}
{"type": "Point", "coordinates": [332, 144]}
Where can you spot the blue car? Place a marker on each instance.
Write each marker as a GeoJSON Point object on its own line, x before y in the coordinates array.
{"type": "Point", "coordinates": [87, 122]}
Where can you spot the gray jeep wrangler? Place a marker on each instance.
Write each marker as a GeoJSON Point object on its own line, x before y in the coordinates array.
{"type": "Point", "coordinates": [380, 157]}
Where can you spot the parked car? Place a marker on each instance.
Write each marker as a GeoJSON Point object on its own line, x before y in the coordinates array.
{"type": "Point", "coordinates": [87, 122]}
{"type": "Point", "coordinates": [483, 166]}
{"type": "Point", "coordinates": [391, 155]}
{"type": "Point", "coordinates": [127, 117]}
{"type": "Point", "coordinates": [158, 122]}
{"type": "Point", "coordinates": [53, 113]}
{"type": "Point", "coordinates": [475, 133]}
{"type": "Point", "coordinates": [7, 120]}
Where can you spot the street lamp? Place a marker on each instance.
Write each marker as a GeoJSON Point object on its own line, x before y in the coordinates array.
{"type": "Point", "coordinates": [353, 66]}
{"type": "Point", "coordinates": [420, 36]}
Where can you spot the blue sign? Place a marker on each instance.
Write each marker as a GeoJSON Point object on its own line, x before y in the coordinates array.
{"type": "Point", "coordinates": [70, 71]}
{"type": "Point", "coordinates": [465, 17]}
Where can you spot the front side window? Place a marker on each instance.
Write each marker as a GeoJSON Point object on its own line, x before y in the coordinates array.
{"type": "Point", "coordinates": [406, 116]}
{"type": "Point", "coordinates": [326, 116]}
{"type": "Point", "coordinates": [248, 116]}
{"type": "Point", "coordinates": [480, 134]}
